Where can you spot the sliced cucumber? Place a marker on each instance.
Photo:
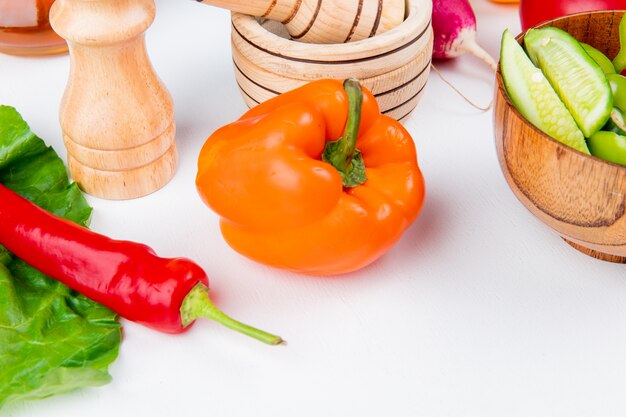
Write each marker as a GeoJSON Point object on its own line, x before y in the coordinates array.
{"type": "Point", "coordinates": [533, 96]}
{"type": "Point", "coordinates": [618, 88]}
{"type": "Point", "coordinates": [608, 146]}
{"type": "Point", "coordinates": [578, 80]}
{"type": "Point", "coordinates": [616, 123]}
{"type": "Point", "coordinates": [601, 59]}
{"type": "Point", "coordinates": [620, 60]}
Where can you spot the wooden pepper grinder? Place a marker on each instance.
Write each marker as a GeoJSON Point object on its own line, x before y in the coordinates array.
{"type": "Point", "coordinates": [116, 115]}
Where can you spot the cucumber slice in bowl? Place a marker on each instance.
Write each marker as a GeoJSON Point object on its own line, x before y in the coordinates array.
{"type": "Point", "coordinates": [608, 146]}
{"type": "Point", "coordinates": [619, 62]}
{"type": "Point", "coordinates": [616, 123]}
{"type": "Point", "coordinates": [575, 76]}
{"type": "Point", "coordinates": [534, 97]}
{"type": "Point", "coordinates": [618, 87]}
{"type": "Point", "coordinates": [601, 59]}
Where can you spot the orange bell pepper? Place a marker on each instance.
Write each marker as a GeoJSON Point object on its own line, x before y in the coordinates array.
{"type": "Point", "coordinates": [292, 197]}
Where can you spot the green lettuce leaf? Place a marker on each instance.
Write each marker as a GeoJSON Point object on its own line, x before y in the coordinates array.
{"type": "Point", "coordinates": [52, 339]}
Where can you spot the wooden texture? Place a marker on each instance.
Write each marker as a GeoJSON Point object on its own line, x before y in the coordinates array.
{"type": "Point", "coordinates": [579, 196]}
{"type": "Point", "coordinates": [116, 115]}
{"type": "Point", "coordinates": [394, 65]}
{"type": "Point", "coordinates": [318, 21]}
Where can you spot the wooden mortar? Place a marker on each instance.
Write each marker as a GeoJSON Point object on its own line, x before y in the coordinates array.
{"type": "Point", "coordinates": [393, 65]}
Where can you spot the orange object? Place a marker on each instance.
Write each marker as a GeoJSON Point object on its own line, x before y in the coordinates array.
{"type": "Point", "coordinates": [25, 29]}
{"type": "Point", "coordinates": [283, 206]}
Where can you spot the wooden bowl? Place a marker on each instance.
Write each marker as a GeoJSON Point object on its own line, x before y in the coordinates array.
{"type": "Point", "coordinates": [580, 196]}
{"type": "Point", "coordinates": [393, 65]}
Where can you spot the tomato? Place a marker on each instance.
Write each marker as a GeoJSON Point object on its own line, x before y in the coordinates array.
{"type": "Point", "coordinates": [533, 12]}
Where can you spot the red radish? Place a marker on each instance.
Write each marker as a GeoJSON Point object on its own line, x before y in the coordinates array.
{"type": "Point", "coordinates": [454, 27]}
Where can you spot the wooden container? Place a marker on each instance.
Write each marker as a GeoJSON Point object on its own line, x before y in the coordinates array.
{"type": "Point", "coordinates": [393, 65]}
{"type": "Point", "coordinates": [580, 196]}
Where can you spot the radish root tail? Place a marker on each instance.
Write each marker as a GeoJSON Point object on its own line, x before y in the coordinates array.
{"type": "Point", "coordinates": [476, 50]}
{"type": "Point", "coordinates": [476, 106]}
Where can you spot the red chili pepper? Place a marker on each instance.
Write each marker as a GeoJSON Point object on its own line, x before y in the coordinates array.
{"type": "Point", "coordinates": [533, 12]}
{"type": "Point", "coordinates": [128, 277]}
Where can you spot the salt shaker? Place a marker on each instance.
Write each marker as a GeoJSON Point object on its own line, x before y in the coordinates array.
{"type": "Point", "coordinates": [116, 115]}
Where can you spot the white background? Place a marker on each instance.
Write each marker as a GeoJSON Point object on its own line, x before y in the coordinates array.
{"type": "Point", "coordinates": [479, 310]}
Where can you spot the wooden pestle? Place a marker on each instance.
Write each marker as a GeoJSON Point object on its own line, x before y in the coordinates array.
{"type": "Point", "coordinates": [329, 21]}
{"type": "Point", "coordinates": [116, 115]}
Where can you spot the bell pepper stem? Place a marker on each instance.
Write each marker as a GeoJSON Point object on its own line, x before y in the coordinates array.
{"type": "Point", "coordinates": [346, 145]}
{"type": "Point", "coordinates": [198, 304]}
{"type": "Point", "coordinates": [342, 153]}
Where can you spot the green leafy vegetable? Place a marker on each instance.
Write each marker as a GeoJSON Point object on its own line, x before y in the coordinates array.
{"type": "Point", "coordinates": [52, 339]}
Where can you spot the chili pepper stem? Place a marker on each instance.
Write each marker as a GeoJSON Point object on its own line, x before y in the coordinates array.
{"type": "Point", "coordinates": [198, 304]}
{"type": "Point", "coordinates": [342, 153]}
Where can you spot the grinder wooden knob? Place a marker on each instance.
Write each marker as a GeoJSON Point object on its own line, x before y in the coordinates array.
{"type": "Point", "coordinates": [324, 21]}
{"type": "Point", "coordinates": [116, 115]}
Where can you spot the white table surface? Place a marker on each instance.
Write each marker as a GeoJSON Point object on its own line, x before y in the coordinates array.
{"type": "Point", "coordinates": [479, 310]}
